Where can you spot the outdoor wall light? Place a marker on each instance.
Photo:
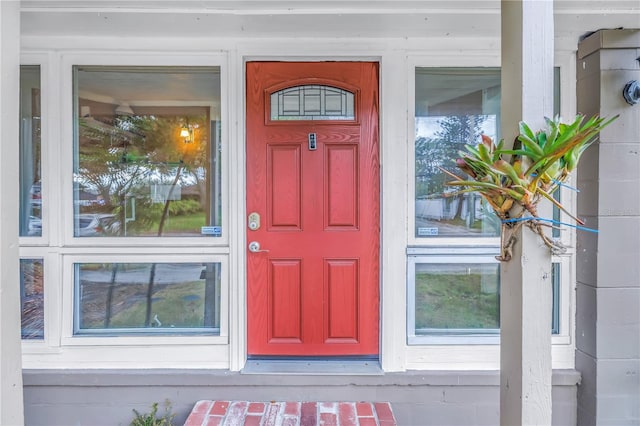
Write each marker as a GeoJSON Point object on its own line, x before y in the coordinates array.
{"type": "Point", "coordinates": [631, 92]}
{"type": "Point", "coordinates": [186, 133]}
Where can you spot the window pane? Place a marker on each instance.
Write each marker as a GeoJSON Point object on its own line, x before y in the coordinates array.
{"type": "Point", "coordinates": [32, 298]}
{"type": "Point", "coordinates": [312, 102]}
{"type": "Point", "coordinates": [555, 232]}
{"type": "Point", "coordinates": [453, 108]}
{"type": "Point", "coordinates": [464, 298]}
{"type": "Point", "coordinates": [30, 149]}
{"type": "Point", "coordinates": [457, 298]}
{"type": "Point", "coordinates": [147, 151]}
{"type": "Point", "coordinates": [147, 297]}
{"type": "Point", "coordinates": [555, 313]}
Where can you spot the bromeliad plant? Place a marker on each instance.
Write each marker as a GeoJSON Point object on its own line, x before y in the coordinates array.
{"type": "Point", "coordinates": [513, 181]}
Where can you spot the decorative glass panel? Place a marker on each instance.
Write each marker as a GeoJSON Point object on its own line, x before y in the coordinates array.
{"type": "Point", "coordinates": [312, 102]}
{"type": "Point", "coordinates": [147, 152]}
{"type": "Point", "coordinates": [453, 108]}
{"type": "Point", "coordinates": [147, 297]}
{"type": "Point", "coordinates": [32, 298]}
{"type": "Point", "coordinates": [30, 152]}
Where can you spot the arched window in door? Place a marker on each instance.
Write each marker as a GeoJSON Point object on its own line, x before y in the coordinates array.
{"type": "Point", "coordinates": [312, 102]}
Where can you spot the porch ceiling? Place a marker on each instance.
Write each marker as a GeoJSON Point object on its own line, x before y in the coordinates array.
{"type": "Point", "coordinates": [329, 18]}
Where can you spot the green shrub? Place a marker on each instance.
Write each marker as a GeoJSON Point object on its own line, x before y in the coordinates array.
{"type": "Point", "coordinates": [183, 207]}
{"type": "Point", "coordinates": [152, 419]}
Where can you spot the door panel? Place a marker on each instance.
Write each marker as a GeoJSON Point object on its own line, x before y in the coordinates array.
{"type": "Point", "coordinates": [341, 188]}
{"type": "Point", "coordinates": [341, 292]}
{"type": "Point", "coordinates": [313, 288]}
{"type": "Point", "coordinates": [286, 301]}
{"type": "Point", "coordinates": [284, 202]}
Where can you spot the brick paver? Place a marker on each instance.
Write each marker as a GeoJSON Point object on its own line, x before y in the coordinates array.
{"type": "Point", "coordinates": [232, 413]}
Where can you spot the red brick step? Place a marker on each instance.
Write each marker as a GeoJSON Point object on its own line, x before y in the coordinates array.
{"type": "Point", "coordinates": [238, 413]}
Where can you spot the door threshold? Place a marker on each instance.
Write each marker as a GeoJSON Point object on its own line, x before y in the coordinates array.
{"type": "Point", "coordinates": [314, 367]}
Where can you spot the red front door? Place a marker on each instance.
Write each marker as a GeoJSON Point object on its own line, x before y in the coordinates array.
{"type": "Point", "coordinates": [313, 208]}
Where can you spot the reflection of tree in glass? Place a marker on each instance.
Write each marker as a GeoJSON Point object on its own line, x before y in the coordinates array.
{"type": "Point", "coordinates": [189, 155]}
{"type": "Point", "coordinates": [439, 151]}
{"type": "Point", "coordinates": [106, 166]}
{"type": "Point", "coordinates": [120, 162]}
{"type": "Point", "coordinates": [32, 298]}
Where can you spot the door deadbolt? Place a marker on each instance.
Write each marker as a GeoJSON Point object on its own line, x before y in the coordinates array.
{"type": "Point", "coordinates": [254, 221]}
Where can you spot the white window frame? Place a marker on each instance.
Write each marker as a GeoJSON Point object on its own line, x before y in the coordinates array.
{"type": "Point", "coordinates": [154, 248]}
{"type": "Point", "coordinates": [69, 302]}
{"type": "Point", "coordinates": [51, 303]}
{"type": "Point", "coordinates": [482, 352]}
{"type": "Point", "coordinates": [38, 247]}
{"type": "Point", "coordinates": [474, 255]}
{"type": "Point", "coordinates": [566, 302]}
{"type": "Point", "coordinates": [478, 255]}
{"type": "Point", "coordinates": [59, 249]}
{"type": "Point", "coordinates": [424, 62]}
{"type": "Point", "coordinates": [108, 59]}
{"type": "Point", "coordinates": [46, 108]}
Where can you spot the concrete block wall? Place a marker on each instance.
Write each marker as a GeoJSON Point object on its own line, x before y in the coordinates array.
{"type": "Point", "coordinates": [608, 263]}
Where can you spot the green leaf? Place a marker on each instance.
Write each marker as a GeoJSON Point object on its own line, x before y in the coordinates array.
{"type": "Point", "coordinates": [508, 170]}
{"type": "Point", "coordinates": [526, 131]}
{"type": "Point", "coordinates": [519, 152]}
{"type": "Point", "coordinates": [472, 150]}
{"type": "Point", "coordinates": [484, 153]}
{"type": "Point", "coordinates": [542, 139]}
{"type": "Point", "coordinates": [553, 129]}
{"type": "Point", "coordinates": [535, 150]}
{"type": "Point", "coordinates": [481, 186]}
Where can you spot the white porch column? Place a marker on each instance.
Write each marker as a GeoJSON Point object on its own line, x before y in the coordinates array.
{"type": "Point", "coordinates": [525, 304]}
{"type": "Point", "coordinates": [11, 405]}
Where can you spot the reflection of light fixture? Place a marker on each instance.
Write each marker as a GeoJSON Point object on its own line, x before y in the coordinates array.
{"type": "Point", "coordinates": [186, 133]}
{"type": "Point", "coordinates": [124, 109]}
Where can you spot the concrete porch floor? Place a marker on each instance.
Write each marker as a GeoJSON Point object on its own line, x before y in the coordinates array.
{"type": "Point", "coordinates": [227, 413]}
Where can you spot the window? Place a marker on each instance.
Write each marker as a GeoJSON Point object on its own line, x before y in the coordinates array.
{"type": "Point", "coordinates": [147, 167]}
{"type": "Point", "coordinates": [136, 145]}
{"type": "Point", "coordinates": [459, 296]}
{"type": "Point", "coordinates": [453, 107]}
{"type": "Point", "coordinates": [312, 102]}
{"type": "Point", "coordinates": [121, 298]}
{"type": "Point", "coordinates": [455, 297]}
{"type": "Point", "coordinates": [30, 152]}
{"type": "Point", "coordinates": [453, 277]}
{"type": "Point", "coordinates": [556, 276]}
{"type": "Point", "coordinates": [32, 298]}
{"type": "Point", "coordinates": [147, 152]}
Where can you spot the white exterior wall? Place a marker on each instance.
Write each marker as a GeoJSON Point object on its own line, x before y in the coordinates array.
{"type": "Point", "coordinates": [11, 406]}
{"type": "Point", "coordinates": [58, 39]}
